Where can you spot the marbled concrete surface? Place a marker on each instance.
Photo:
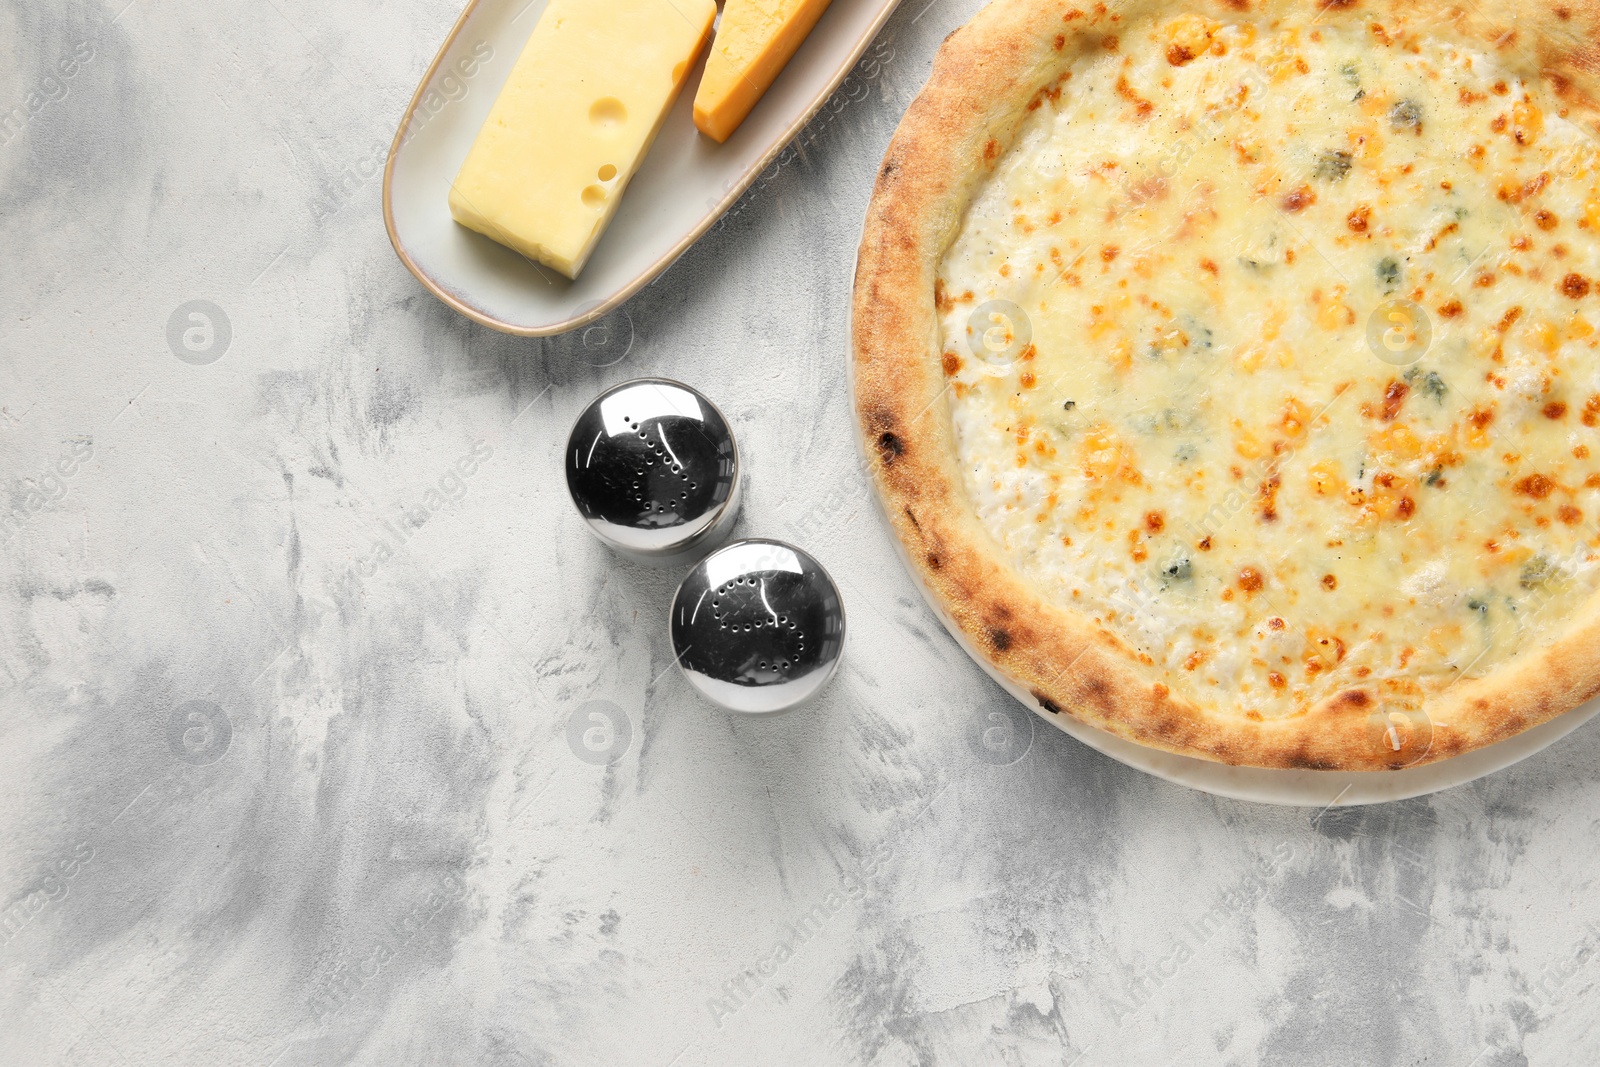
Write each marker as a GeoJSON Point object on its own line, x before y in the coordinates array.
{"type": "Point", "coordinates": [296, 714]}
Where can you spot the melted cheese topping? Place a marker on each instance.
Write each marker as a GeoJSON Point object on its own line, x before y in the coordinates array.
{"type": "Point", "coordinates": [1273, 349]}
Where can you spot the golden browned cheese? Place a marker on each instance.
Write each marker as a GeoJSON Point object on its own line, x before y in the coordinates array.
{"type": "Point", "coordinates": [1274, 350]}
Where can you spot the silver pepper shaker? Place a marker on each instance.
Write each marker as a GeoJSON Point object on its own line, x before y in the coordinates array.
{"type": "Point", "coordinates": [653, 468]}
{"type": "Point", "coordinates": [758, 626]}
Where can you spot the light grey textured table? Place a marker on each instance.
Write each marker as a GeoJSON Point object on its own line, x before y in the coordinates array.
{"type": "Point", "coordinates": [296, 718]}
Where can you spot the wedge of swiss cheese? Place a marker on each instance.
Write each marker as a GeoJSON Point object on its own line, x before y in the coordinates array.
{"type": "Point", "coordinates": [580, 109]}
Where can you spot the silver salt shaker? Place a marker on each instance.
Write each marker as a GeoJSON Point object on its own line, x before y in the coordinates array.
{"type": "Point", "coordinates": [758, 626]}
{"type": "Point", "coordinates": [653, 468]}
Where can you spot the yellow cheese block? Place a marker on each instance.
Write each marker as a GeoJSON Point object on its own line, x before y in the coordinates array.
{"type": "Point", "coordinates": [578, 113]}
{"type": "Point", "coordinates": [755, 40]}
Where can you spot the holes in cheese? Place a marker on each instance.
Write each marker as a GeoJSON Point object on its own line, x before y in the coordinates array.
{"type": "Point", "coordinates": [755, 39]}
{"type": "Point", "coordinates": [608, 113]}
{"type": "Point", "coordinates": [585, 99]}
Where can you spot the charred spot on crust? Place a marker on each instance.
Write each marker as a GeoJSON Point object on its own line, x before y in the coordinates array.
{"type": "Point", "coordinates": [1166, 728]}
{"type": "Point", "coordinates": [1511, 726]}
{"type": "Point", "coordinates": [934, 562]}
{"type": "Point", "coordinates": [1355, 698]}
{"type": "Point", "coordinates": [1443, 747]}
{"type": "Point", "coordinates": [890, 447]}
{"type": "Point", "coordinates": [1302, 761]}
{"type": "Point", "coordinates": [913, 517]}
{"type": "Point", "coordinates": [1000, 639]}
{"type": "Point", "coordinates": [1046, 703]}
{"type": "Point", "coordinates": [889, 167]}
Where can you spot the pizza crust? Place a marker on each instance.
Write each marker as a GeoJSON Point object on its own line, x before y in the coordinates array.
{"type": "Point", "coordinates": [983, 79]}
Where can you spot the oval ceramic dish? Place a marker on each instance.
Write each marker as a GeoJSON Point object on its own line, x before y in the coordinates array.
{"type": "Point", "coordinates": [685, 183]}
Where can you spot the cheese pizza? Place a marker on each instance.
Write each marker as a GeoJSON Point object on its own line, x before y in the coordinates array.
{"type": "Point", "coordinates": [1230, 371]}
